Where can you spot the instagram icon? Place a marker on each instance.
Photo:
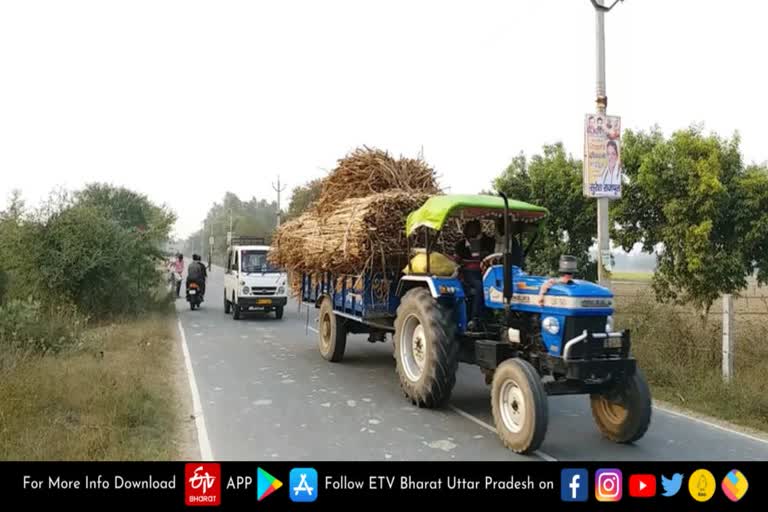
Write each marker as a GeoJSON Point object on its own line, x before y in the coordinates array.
{"type": "Point", "coordinates": [608, 485]}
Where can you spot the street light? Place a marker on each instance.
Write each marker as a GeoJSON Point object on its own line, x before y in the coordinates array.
{"type": "Point", "coordinates": [603, 8]}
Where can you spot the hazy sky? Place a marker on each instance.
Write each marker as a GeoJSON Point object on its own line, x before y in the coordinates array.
{"type": "Point", "coordinates": [185, 100]}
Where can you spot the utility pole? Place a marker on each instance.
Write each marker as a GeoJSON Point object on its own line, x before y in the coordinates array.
{"type": "Point", "coordinates": [278, 189]}
{"type": "Point", "coordinates": [603, 225]}
{"type": "Point", "coordinates": [229, 233]}
{"type": "Point", "coordinates": [210, 247]}
{"type": "Point", "coordinates": [202, 239]}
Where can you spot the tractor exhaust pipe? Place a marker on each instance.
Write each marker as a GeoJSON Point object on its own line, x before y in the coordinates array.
{"type": "Point", "coordinates": [507, 253]}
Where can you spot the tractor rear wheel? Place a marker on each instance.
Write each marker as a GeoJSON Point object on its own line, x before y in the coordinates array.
{"type": "Point", "coordinates": [426, 351]}
{"type": "Point", "coordinates": [624, 413]}
{"type": "Point", "coordinates": [519, 405]}
{"type": "Point", "coordinates": [332, 333]}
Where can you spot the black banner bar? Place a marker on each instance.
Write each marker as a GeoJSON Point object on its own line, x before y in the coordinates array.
{"type": "Point", "coordinates": [298, 485]}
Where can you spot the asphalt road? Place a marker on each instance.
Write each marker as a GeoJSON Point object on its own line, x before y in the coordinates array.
{"type": "Point", "coordinates": [265, 393]}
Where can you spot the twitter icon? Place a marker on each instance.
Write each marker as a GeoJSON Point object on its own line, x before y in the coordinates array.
{"type": "Point", "coordinates": [671, 485]}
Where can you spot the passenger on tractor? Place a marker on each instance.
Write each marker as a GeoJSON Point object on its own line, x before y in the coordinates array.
{"type": "Point", "coordinates": [567, 269]}
{"type": "Point", "coordinates": [471, 250]}
{"type": "Point", "coordinates": [514, 244]}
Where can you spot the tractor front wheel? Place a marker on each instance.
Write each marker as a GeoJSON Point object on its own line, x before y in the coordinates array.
{"type": "Point", "coordinates": [519, 406]}
{"type": "Point", "coordinates": [426, 351]}
{"type": "Point", "coordinates": [623, 414]}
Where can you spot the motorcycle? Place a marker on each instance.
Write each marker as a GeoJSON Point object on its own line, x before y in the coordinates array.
{"type": "Point", "coordinates": [194, 296]}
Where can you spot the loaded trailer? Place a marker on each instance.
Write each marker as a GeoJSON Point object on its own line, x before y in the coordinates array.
{"type": "Point", "coordinates": [527, 350]}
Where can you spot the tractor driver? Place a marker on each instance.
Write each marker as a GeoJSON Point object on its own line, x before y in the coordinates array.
{"type": "Point", "coordinates": [471, 250]}
{"type": "Point", "coordinates": [566, 270]}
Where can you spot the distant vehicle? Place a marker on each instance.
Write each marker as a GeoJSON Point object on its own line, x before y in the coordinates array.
{"type": "Point", "coordinates": [251, 283]}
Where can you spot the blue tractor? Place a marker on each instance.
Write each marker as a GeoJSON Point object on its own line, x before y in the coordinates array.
{"type": "Point", "coordinates": [529, 345]}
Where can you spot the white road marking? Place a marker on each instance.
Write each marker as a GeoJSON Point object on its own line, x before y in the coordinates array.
{"type": "Point", "coordinates": [710, 424]}
{"type": "Point", "coordinates": [483, 424]}
{"type": "Point", "coordinates": [202, 433]}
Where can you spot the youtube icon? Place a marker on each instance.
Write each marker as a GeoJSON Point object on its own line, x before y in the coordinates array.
{"type": "Point", "coordinates": [642, 486]}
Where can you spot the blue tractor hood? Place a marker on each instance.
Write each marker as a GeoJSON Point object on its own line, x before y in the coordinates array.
{"type": "Point", "coordinates": [576, 288]}
{"type": "Point", "coordinates": [579, 297]}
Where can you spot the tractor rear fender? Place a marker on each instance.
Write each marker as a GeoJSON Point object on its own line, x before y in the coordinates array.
{"type": "Point", "coordinates": [438, 286]}
{"type": "Point", "coordinates": [446, 290]}
{"type": "Point", "coordinates": [409, 282]}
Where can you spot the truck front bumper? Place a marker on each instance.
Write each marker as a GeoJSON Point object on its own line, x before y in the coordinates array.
{"type": "Point", "coordinates": [262, 302]}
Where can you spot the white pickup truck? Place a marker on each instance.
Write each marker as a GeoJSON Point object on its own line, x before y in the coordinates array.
{"type": "Point", "coordinates": [252, 283]}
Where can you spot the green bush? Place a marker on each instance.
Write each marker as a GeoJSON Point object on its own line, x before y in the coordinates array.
{"type": "Point", "coordinates": [31, 326]}
{"type": "Point", "coordinates": [3, 285]}
{"type": "Point", "coordinates": [99, 251]}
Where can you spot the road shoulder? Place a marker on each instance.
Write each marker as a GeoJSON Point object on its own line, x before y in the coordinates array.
{"type": "Point", "coordinates": [188, 446]}
{"type": "Point", "coordinates": [676, 410]}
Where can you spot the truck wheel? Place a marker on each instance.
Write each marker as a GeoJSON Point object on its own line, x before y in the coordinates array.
{"type": "Point", "coordinates": [519, 405]}
{"type": "Point", "coordinates": [279, 312]}
{"type": "Point", "coordinates": [332, 337]}
{"type": "Point", "coordinates": [226, 304]}
{"type": "Point", "coordinates": [624, 413]}
{"type": "Point", "coordinates": [426, 352]}
{"type": "Point", "coordinates": [235, 309]}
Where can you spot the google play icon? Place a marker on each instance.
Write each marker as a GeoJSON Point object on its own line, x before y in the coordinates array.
{"type": "Point", "coordinates": [266, 484]}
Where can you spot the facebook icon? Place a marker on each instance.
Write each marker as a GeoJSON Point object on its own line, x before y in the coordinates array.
{"type": "Point", "coordinates": [574, 485]}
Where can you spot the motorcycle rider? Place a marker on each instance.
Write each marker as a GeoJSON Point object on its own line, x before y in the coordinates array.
{"type": "Point", "coordinates": [197, 273]}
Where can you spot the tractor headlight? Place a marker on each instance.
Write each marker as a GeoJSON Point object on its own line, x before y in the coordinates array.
{"type": "Point", "coordinates": [246, 290]}
{"type": "Point", "coordinates": [551, 325]}
{"type": "Point", "coordinates": [609, 324]}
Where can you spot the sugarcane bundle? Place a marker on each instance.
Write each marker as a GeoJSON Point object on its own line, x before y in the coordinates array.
{"type": "Point", "coordinates": [362, 233]}
{"type": "Point", "coordinates": [367, 171]}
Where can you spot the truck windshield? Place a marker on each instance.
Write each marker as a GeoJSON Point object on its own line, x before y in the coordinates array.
{"type": "Point", "coordinates": [256, 261]}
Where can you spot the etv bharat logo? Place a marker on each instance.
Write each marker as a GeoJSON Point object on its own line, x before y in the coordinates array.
{"type": "Point", "coordinates": [203, 484]}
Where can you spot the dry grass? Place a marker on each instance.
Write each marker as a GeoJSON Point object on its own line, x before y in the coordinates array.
{"type": "Point", "coordinates": [682, 359]}
{"type": "Point", "coordinates": [113, 398]}
{"type": "Point", "coordinates": [366, 171]}
{"type": "Point", "coordinates": [358, 220]}
{"type": "Point", "coordinates": [350, 238]}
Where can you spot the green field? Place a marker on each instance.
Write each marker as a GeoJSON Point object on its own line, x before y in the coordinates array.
{"type": "Point", "coordinates": [632, 276]}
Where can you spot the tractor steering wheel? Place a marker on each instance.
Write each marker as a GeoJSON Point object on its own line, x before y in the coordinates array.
{"type": "Point", "coordinates": [490, 260]}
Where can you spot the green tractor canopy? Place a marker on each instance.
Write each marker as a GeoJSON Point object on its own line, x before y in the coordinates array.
{"type": "Point", "coordinates": [437, 209]}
